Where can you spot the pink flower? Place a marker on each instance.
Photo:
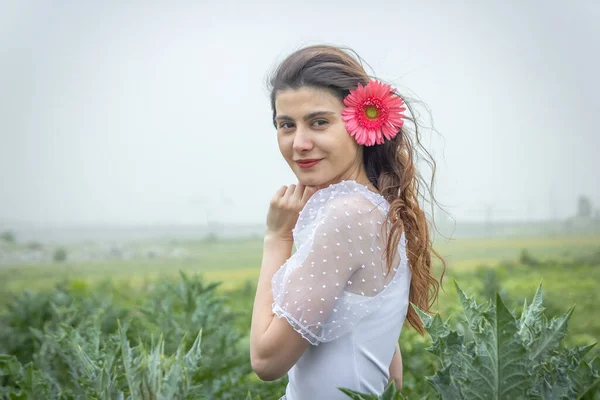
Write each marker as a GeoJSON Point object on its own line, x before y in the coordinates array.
{"type": "Point", "coordinates": [372, 113]}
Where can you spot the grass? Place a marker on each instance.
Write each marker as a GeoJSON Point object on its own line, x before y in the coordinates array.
{"type": "Point", "coordinates": [464, 254]}
{"type": "Point", "coordinates": [234, 262]}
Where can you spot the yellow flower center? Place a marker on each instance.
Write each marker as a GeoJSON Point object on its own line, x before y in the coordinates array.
{"type": "Point", "coordinates": [371, 112]}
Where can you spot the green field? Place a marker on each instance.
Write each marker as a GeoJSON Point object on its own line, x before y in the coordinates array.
{"type": "Point", "coordinates": [234, 262]}
{"type": "Point", "coordinates": [148, 289]}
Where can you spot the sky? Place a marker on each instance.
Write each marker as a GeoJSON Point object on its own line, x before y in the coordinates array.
{"type": "Point", "coordinates": [128, 113]}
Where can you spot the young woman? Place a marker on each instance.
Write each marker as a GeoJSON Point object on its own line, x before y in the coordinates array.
{"type": "Point", "coordinates": [330, 315]}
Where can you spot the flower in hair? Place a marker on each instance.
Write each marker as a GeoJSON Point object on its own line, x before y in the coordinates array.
{"type": "Point", "coordinates": [373, 113]}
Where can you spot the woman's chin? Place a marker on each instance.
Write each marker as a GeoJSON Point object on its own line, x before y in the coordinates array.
{"type": "Point", "coordinates": [310, 180]}
{"type": "Point", "coordinates": [318, 183]}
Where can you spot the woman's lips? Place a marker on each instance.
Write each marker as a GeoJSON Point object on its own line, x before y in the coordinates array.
{"type": "Point", "coordinates": [307, 163]}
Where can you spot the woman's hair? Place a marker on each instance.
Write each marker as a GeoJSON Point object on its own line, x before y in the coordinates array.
{"type": "Point", "coordinates": [390, 166]}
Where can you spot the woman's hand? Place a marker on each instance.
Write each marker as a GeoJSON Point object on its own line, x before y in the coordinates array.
{"type": "Point", "coordinates": [396, 368]}
{"type": "Point", "coordinates": [285, 207]}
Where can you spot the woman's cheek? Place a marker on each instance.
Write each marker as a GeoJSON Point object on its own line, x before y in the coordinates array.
{"type": "Point", "coordinates": [285, 147]}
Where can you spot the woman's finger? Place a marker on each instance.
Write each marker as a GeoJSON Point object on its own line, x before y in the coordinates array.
{"type": "Point", "coordinates": [290, 191]}
{"type": "Point", "coordinates": [299, 191]}
{"type": "Point", "coordinates": [279, 194]}
{"type": "Point", "coordinates": [308, 192]}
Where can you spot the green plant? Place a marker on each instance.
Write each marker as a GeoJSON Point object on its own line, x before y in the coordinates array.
{"type": "Point", "coordinates": [67, 344]}
{"type": "Point", "coordinates": [8, 237]}
{"type": "Point", "coordinates": [390, 393]}
{"type": "Point", "coordinates": [59, 255]}
{"type": "Point", "coordinates": [490, 278]}
{"type": "Point", "coordinates": [151, 375]}
{"type": "Point", "coordinates": [526, 258]}
{"type": "Point", "coordinates": [589, 259]}
{"type": "Point", "coordinates": [504, 357]}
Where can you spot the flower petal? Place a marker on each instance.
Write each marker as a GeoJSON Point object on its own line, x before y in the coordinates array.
{"type": "Point", "coordinates": [352, 125]}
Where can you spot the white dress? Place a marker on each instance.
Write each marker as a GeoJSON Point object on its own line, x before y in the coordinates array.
{"type": "Point", "coordinates": [334, 290]}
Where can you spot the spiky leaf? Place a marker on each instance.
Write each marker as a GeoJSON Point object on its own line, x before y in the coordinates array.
{"type": "Point", "coordinates": [530, 317]}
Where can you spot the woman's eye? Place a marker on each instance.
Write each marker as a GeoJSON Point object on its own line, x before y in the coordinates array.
{"type": "Point", "coordinates": [320, 122]}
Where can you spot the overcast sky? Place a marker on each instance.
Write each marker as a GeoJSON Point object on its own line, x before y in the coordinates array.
{"type": "Point", "coordinates": [130, 113]}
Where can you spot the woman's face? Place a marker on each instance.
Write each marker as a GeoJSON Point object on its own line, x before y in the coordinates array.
{"type": "Point", "coordinates": [313, 139]}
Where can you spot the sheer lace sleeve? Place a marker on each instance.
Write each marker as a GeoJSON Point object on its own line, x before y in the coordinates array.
{"type": "Point", "coordinates": [337, 275]}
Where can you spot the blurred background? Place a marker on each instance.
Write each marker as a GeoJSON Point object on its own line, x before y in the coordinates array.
{"type": "Point", "coordinates": [156, 114]}
{"type": "Point", "coordinates": [136, 139]}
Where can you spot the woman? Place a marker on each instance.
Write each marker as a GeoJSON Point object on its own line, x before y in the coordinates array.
{"type": "Point", "coordinates": [330, 315]}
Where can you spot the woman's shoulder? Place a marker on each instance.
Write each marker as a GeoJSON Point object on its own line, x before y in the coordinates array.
{"type": "Point", "coordinates": [346, 200]}
{"type": "Point", "coordinates": [346, 192]}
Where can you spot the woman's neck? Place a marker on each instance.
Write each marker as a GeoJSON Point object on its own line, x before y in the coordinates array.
{"type": "Point", "coordinates": [358, 175]}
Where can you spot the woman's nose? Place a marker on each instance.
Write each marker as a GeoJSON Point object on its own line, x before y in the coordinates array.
{"type": "Point", "coordinates": [302, 141]}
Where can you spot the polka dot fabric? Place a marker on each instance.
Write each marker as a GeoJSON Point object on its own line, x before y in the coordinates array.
{"type": "Point", "coordinates": [337, 276]}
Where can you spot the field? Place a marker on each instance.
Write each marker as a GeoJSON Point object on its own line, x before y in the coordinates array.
{"type": "Point", "coordinates": [569, 268]}
{"type": "Point", "coordinates": [235, 261]}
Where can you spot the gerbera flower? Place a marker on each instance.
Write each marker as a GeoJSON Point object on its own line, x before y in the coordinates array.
{"type": "Point", "coordinates": [372, 113]}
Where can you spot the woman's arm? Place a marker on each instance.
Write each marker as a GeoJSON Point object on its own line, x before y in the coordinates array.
{"type": "Point", "coordinates": [274, 345]}
{"type": "Point", "coordinates": [396, 368]}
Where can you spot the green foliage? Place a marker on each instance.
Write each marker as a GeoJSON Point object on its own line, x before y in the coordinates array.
{"type": "Point", "coordinates": [151, 375]}
{"type": "Point", "coordinates": [526, 258]}
{"type": "Point", "coordinates": [390, 393]}
{"type": "Point", "coordinates": [59, 255]}
{"type": "Point", "coordinates": [176, 308]}
{"type": "Point", "coordinates": [589, 259]}
{"type": "Point", "coordinates": [504, 357]}
{"type": "Point", "coordinates": [8, 237]}
{"type": "Point", "coordinates": [68, 344]}
{"type": "Point", "coordinates": [417, 363]}
{"type": "Point", "coordinates": [490, 279]}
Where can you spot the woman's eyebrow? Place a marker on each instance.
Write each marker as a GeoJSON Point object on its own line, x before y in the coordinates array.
{"type": "Point", "coordinates": [316, 114]}
{"type": "Point", "coordinates": [306, 117]}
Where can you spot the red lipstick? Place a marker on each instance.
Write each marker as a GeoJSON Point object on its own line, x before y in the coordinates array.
{"type": "Point", "coordinates": [307, 163]}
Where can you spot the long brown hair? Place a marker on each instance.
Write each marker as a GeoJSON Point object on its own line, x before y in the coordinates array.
{"type": "Point", "coordinates": [390, 166]}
